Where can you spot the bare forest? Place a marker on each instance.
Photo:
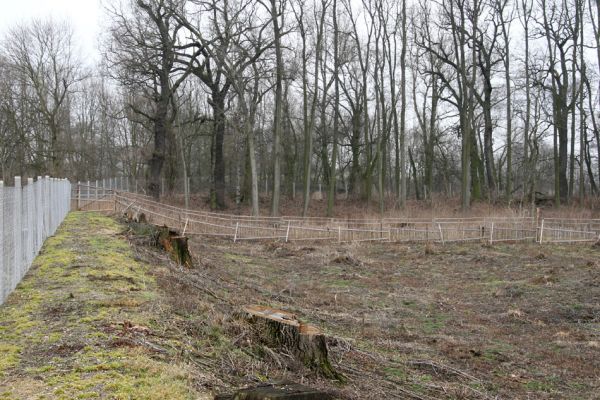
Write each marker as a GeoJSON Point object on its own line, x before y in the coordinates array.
{"type": "Point", "coordinates": [378, 102]}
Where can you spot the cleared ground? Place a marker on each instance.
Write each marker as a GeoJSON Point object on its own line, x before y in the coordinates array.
{"type": "Point", "coordinates": [458, 321]}
{"type": "Point", "coordinates": [104, 315]}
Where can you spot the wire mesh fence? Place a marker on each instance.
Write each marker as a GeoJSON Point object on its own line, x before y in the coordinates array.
{"type": "Point", "coordinates": [29, 214]}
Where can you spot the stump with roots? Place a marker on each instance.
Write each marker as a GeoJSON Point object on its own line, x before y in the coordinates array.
{"type": "Point", "coordinates": [169, 240]}
{"type": "Point", "coordinates": [281, 329]}
{"type": "Point", "coordinates": [175, 245]}
{"type": "Point", "coordinates": [135, 216]}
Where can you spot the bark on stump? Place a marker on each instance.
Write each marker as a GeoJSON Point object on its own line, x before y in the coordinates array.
{"type": "Point", "coordinates": [283, 391]}
{"type": "Point", "coordinates": [135, 216]}
{"type": "Point", "coordinates": [281, 329]}
{"type": "Point", "coordinates": [175, 245]}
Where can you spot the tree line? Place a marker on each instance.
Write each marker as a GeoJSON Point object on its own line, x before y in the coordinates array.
{"type": "Point", "coordinates": [489, 100]}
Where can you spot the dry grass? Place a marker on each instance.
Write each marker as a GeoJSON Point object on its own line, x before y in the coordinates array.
{"type": "Point", "coordinates": [425, 321]}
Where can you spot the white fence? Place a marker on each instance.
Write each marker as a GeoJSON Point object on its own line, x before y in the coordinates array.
{"type": "Point", "coordinates": [109, 197]}
{"type": "Point", "coordinates": [28, 215]}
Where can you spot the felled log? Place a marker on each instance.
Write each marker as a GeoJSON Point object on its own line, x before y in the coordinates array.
{"type": "Point", "coordinates": [175, 245]}
{"type": "Point", "coordinates": [280, 391]}
{"type": "Point", "coordinates": [281, 329]}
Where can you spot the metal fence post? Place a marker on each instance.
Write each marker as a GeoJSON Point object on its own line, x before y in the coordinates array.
{"type": "Point", "coordinates": [30, 222]}
{"type": "Point", "coordinates": [17, 255]}
{"type": "Point", "coordinates": [39, 186]}
{"type": "Point", "coordinates": [3, 274]}
{"type": "Point", "coordinates": [46, 195]}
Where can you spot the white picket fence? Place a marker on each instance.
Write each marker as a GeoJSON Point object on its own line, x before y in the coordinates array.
{"type": "Point", "coordinates": [29, 214]}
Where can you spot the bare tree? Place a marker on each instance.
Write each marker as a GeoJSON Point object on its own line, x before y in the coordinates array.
{"type": "Point", "coordinates": [142, 55]}
{"type": "Point", "coordinates": [42, 53]}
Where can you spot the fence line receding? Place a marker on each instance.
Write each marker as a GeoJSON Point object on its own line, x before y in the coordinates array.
{"type": "Point", "coordinates": [243, 227]}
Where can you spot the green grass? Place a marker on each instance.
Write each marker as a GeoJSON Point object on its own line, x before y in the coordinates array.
{"type": "Point", "coordinates": [55, 335]}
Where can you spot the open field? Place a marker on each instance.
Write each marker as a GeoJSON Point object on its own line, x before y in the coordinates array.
{"type": "Point", "coordinates": [460, 321]}
{"type": "Point", "coordinates": [98, 317]}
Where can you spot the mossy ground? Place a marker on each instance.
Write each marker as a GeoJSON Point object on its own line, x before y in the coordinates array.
{"type": "Point", "coordinates": [81, 324]}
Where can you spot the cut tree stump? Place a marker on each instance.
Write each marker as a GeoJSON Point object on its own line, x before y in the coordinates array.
{"type": "Point", "coordinates": [135, 216]}
{"type": "Point", "coordinates": [175, 245]}
{"type": "Point", "coordinates": [280, 391]}
{"type": "Point", "coordinates": [281, 329]}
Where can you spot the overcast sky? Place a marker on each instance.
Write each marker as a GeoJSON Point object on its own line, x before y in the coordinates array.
{"type": "Point", "coordinates": [85, 17]}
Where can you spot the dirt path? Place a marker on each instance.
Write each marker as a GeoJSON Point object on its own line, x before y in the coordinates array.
{"type": "Point", "coordinates": [89, 321]}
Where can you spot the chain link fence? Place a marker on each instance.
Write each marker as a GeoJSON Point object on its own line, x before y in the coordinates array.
{"type": "Point", "coordinates": [29, 214]}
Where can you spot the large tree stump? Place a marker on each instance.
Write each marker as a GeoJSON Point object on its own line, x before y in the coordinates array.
{"type": "Point", "coordinates": [135, 216]}
{"type": "Point", "coordinates": [281, 329]}
{"type": "Point", "coordinates": [175, 245]}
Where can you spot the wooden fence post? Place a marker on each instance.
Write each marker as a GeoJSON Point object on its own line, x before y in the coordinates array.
{"type": "Point", "coordinates": [287, 233]}
{"type": "Point", "coordinates": [237, 224]}
{"type": "Point", "coordinates": [542, 231]}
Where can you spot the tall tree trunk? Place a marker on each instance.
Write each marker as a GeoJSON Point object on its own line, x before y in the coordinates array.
{"type": "Point", "coordinates": [253, 172]}
{"type": "Point", "coordinates": [509, 136]}
{"type": "Point", "coordinates": [218, 104]}
{"type": "Point", "coordinates": [403, 110]}
{"type": "Point", "coordinates": [574, 93]}
{"type": "Point", "coordinates": [529, 170]}
{"type": "Point", "coordinates": [414, 174]}
{"type": "Point", "coordinates": [429, 148]}
{"type": "Point", "coordinates": [277, 119]}
{"type": "Point", "coordinates": [336, 110]}
{"type": "Point", "coordinates": [157, 158]}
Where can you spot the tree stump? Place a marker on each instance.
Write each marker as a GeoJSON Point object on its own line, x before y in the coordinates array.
{"type": "Point", "coordinates": [135, 216]}
{"type": "Point", "coordinates": [281, 329]}
{"type": "Point", "coordinates": [175, 245]}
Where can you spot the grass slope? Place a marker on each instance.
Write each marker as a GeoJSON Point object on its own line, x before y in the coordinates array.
{"type": "Point", "coordinates": [80, 324]}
